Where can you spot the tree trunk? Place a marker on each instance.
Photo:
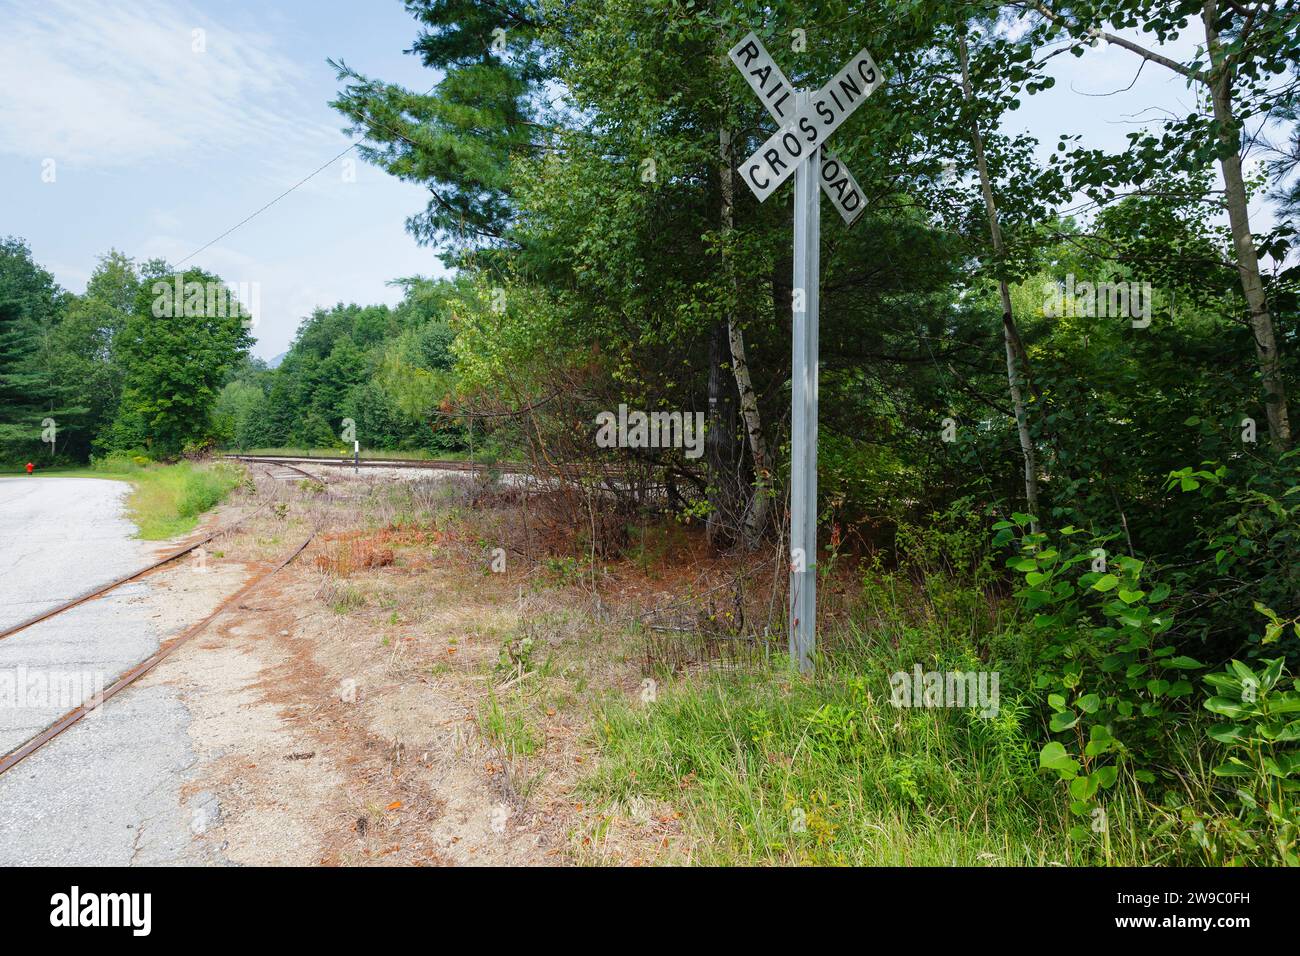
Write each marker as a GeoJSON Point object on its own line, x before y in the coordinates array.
{"type": "Point", "coordinates": [720, 444]}
{"type": "Point", "coordinates": [1017, 358]}
{"type": "Point", "coordinates": [1243, 240]}
{"type": "Point", "coordinates": [755, 518]}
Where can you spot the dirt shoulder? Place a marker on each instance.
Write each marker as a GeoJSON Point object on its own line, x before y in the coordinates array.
{"type": "Point", "coordinates": [390, 699]}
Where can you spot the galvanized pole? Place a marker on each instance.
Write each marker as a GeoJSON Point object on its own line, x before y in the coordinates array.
{"type": "Point", "coordinates": [814, 279]}
{"type": "Point", "coordinates": [803, 413]}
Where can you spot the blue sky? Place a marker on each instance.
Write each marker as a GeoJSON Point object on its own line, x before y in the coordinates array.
{"type": "Point", "coordinates": [157, 149]}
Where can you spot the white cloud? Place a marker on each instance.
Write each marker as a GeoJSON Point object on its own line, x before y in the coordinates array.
{"type": "Point", "coordinates": [101, 84]}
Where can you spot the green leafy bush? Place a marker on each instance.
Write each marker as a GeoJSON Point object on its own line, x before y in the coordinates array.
{"type": "Point", "coordinates": [1115, 684]}
{"type": "Point", "coordinates": [1261, 820]}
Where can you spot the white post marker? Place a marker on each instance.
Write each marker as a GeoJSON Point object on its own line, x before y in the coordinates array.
{"type": "Point", "coordinates": [808, 120]}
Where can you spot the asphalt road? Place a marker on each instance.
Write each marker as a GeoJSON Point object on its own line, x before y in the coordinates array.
{"type": "Point", "coordinates": [60, 537]}
{"type": "Point", "coordinates": [108, 790]}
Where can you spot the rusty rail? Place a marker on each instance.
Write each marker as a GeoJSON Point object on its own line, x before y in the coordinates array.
{"type": "Point", "coordinates": [9, 760]}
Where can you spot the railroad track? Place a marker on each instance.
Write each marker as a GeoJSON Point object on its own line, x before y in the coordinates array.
{"type": "Point", "coordinates": [13, 757]}
{"type": "Point", "coordinates": [283, 471]}
{"type": "Point", "coordinates": [428, 464]}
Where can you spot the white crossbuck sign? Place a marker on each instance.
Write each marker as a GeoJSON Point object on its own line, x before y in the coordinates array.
{"type": "Point", "coordinates": [807, 121]}
{"type": "Point", "coordinates": [800, 134]}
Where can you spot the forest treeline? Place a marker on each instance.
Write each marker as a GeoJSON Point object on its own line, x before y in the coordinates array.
{"type": "Point", "coordinates": [104, 372]}
{"type": "Point", "coordinates": [1048, 368]}
{"type": "Point", "coordinates": [1000, 331]}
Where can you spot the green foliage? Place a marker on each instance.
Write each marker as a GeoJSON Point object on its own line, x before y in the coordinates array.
{"type": "Point", "coordinates": [1105, 660]}
{"type": "Point", "coordinates": [1259, 822]}
{"type": "Point", "coordinates": [461, 135]}
{"type": "Point", "coordinates": [30, 390]}
{"type": "Point", "coordinates": [829, 774]}
{"type": "Point", "coordinates": [177, 349]}
{"type": "Point", "coordinates": [1250, 523]}
{"type": "Point", "coordinates": [387, 370]}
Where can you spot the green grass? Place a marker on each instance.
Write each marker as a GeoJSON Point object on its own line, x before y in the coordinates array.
{"type": "Point", "coordinates": [167, 500]}
{"type": "Point", "coordinates": [771, 768]}
{"type": "Point", "coordinates": [59, 471]}
{"type": "Point", "coordinates": [507, 728]}
{"type": "Point", "coordinates": [774, 771]}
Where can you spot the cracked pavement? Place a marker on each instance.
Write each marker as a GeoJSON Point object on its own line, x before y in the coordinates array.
{"type": "Point", "coordinates": [110, 790]}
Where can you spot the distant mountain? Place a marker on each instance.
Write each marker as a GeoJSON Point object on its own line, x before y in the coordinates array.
{"type": "Point", "coordinates": [275, 362]}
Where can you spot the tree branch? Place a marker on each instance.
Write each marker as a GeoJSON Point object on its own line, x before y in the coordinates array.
{"type": "Point", "coordinates": [1125, 44]}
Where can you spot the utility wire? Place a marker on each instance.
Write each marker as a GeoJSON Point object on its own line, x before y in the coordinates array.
{"type": "Point", "coordinates": [263, 209]}
{"type": "Point", "coordinates": [253, 215]}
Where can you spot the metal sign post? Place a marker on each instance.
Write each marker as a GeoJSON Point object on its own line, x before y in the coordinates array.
{"type": "Point", "coordinates": [808, 119]}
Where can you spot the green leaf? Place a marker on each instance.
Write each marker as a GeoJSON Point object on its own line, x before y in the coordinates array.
{"type": "Point", "coordinates": [1226, 708]}
{"type": "Point", "coordinates": [1054, 757]}
{"type": "Point", "coordinates": [1289, 732]}
{"type": "Point", "coordinates": [1273, 768]}
{"type": "Point", "coordinates": [1063, 721]}
{"type": "Point", "coordinates": [1105, 583]}
{"type": "Point", "coordinates": [1082, 788]}
{"type": "Point", "coordinates": [1244, 673]}
{"type": "Point", "coordinates": [1088, 703]}
{"type": "Point", "coordinates": [1233, 768]}
{"type": "Point", "coordinates": [1226, 733]}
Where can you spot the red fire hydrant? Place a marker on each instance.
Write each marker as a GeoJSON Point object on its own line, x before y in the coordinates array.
{"type": "Point", "coordinates": [30, 467]}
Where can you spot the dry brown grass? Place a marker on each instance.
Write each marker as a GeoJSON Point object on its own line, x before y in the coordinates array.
{"type": "Point", "coordinates": [475, 691]}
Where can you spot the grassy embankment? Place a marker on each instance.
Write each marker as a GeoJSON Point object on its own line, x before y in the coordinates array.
{"type": "Point", "coordinates": [755, 765]}
{"type": "Point", "coordinates": [767, 767]}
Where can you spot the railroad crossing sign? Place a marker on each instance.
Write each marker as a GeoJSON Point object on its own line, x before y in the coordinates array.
{"type": "Point", "coordinates": [807, 121]}
{"type": "Point", "coordinates": [767, 80]}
